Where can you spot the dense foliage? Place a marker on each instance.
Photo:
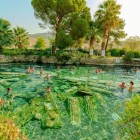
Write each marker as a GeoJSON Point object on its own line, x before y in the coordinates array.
{"type": "Point", "coordinates": [6, 33]}
{"type": "Point", "coordinates": [21, 39]}
{"type": "Point", "coordinates": [41, 52]}
{"type": "Point", "coordinates": [132, 43]}
{"type": "Point", "coordinates": [63, 40]}
{"type": "Point", "coordinates": [40, 43]}
{"type": "Point", "coordinates": [130, 119]}
{"type": "Point", "coordinates": [62, 15]}
{"type": "Point", "coordinates": [108, 17]}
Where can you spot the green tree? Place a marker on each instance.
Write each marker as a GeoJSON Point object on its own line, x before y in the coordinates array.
{"type": "Point", "coordinates": [130, 119]}
{"type": "Point", "coordinates": [6, 34]}
{"type": "Point", "coordinates": [63, 40]}
{"type": "Point", "coordinates": [59, 14]}
{"type": "Point", "coordinates": [94, 34]}
{"type": "Point", "coordinates": [40, 43]}
{"type": "Point", "coordinates": [21, 37]}
{"type": "Point", "coordinates": [116, 34]}
{"type": "Point", "coordinates": [79, 28]}
{"type": "Point", "coordinates": [108, 17]}
{"type": "Point", "coordinates": [133, 42]}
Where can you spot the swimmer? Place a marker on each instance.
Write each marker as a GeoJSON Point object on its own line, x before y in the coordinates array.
{"type": "Point", "coordinates": [29, 70]}
{"type": "Point", "coordinates": [131, 87]}
{"type": "Point", "coordinates": [98, 71]}
{"type": "Point", "coordinates": [33, 69]}
{"type": "Point", "coordinates": [48, 89]}
{"type": "Point", "coordinates": [122, 86]}
{"type": "Point", "coordinates": [9, 90]}
{"type": "Point", "coordinates": [41, 70]}
{"type": "Point", "coordinates": [47, 76]}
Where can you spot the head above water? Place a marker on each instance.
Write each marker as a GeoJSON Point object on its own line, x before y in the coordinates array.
{"type": "Point", "coordinates": [132, 83]}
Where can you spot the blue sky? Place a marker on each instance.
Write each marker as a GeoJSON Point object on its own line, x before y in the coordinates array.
{"type": "Point", "coordinates": [20, 12]}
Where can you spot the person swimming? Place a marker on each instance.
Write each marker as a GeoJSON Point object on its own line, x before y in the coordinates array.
{"type": "Point", "coordinates": [99, 71]}
{"type": "Point", "coordinates": [41, 70]}
{"type": "Point", "coordinates": [131, 87]}
{"type": "Point", "coordinates": [122, 86]}
{"type": "Point", "coordinates": [33, 69]}
{"type": "Point", "coordinates": [9, 90]}
{"type": "Point", "coordinates": [48, 89]}
{"type": "Point", "coordinates": [47, 77]}
{"type": "Point", "coordinates": [29, 70]}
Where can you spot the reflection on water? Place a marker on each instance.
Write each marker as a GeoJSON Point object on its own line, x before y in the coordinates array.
{"type": "Point", "coordinates": [84, 116]}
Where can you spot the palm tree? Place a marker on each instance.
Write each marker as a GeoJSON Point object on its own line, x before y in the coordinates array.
{"type": "Point", "coordinates": [116, 34]}
{"type": "Point", "coordinates": [21, 37]}
{"type": "Point", "coordinates": [108, 18]}
{"type": "Point", "coordinates": [94, 34]}
{"type": "Point", "coordinates": [6, 34]}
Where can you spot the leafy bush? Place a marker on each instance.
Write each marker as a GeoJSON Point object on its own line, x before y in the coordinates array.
{"type": "Point", "coordinates": [114, 52]}
{"type": "Point", "coordinates": [128, 58]}
{"type": "Point", "coordinates": [63, 56]}
{"type": "Point", "coordinates": [45, 52]}
{"type": "Point", "coordinates": [8, 129]}
{"type": "Point", "coordinates": [130, 119]}
{"type": "Point", "coordinates": [136, 54]}
{"type": "Point", "coordinates": [122, 52]}
{"type": "Point", "coordinates": [63, 40]}
{"type": "Point", "coordinates": [40, 43]}
{"type": "Point", "coordinates": [117, 52]}
{"type": "Point", "coordinates": [108, 54]}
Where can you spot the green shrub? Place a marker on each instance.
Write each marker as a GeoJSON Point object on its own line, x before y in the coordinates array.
{"type": "Point", "coordinates": [108, 54]}
{"type": "Point", "coordinates": [63, 56]}
{"type": "Point", "coordinates": [40, 43]}
{"type": "Point", "coordinates": [117, 52]}
{"type": "Point", "coordinates": [136, 54]}
{"type": "Point", "coordinates": [45, 52]}
{"type": "Point", "coordinates": [128, 58]}
{"type": "Point", "coordinates": [129, 122]}
{"type": "Point", "coordinates": [122, 52]}
{"type": "Point", "coordinates": [114, 52]}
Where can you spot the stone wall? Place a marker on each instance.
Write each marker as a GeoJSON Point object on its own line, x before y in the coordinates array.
{"type": "Point", "coordinates": [53, 60]}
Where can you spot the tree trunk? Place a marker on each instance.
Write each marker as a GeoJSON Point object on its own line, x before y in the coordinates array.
{"type": "Point", "coordinates": [108, 36]}
{"type": "Point", "coordinates": [92, 40]}
{"type": "Point", "coordinates": [57, 27]}
{"type": "Point", "coordinates": [55, 45]}
{"type": "Point", "coordinates": [20, 46]}
{"type": "Point", "coordinates": [55, 42]}
{"type": "Point", "coordinates": [0, 49]}
{"type": "Point", "coordinates": [103, 43]}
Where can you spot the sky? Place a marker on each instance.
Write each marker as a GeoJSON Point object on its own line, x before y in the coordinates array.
{"type": "Point", "coordinates": [20, 13]}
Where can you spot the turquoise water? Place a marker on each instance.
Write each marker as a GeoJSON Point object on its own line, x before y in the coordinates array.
{"type": "Point", "coordinates": [77, 116]}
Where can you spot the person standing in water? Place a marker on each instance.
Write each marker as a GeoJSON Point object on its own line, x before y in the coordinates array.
{"type": "Point", "coordinates": [41, 71]}
{"type": "Point", "coordinates": [131, 87]}
{"type": "Point", "coordinates": [33, 69]}
{"type": "Point", "coordinates": [48, 89]}
{"type": "Point", "coordinates": [29, 70]}
{"type": "Point", "coordinates": [47, 77]}
{"type": "Point", "coordinates": [122, 86]}
{"type": "Point", "coordinates": [9, 90]}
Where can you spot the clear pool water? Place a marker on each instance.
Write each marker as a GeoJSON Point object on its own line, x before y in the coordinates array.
{"type": "Point", "coordinates": [75, 116]}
